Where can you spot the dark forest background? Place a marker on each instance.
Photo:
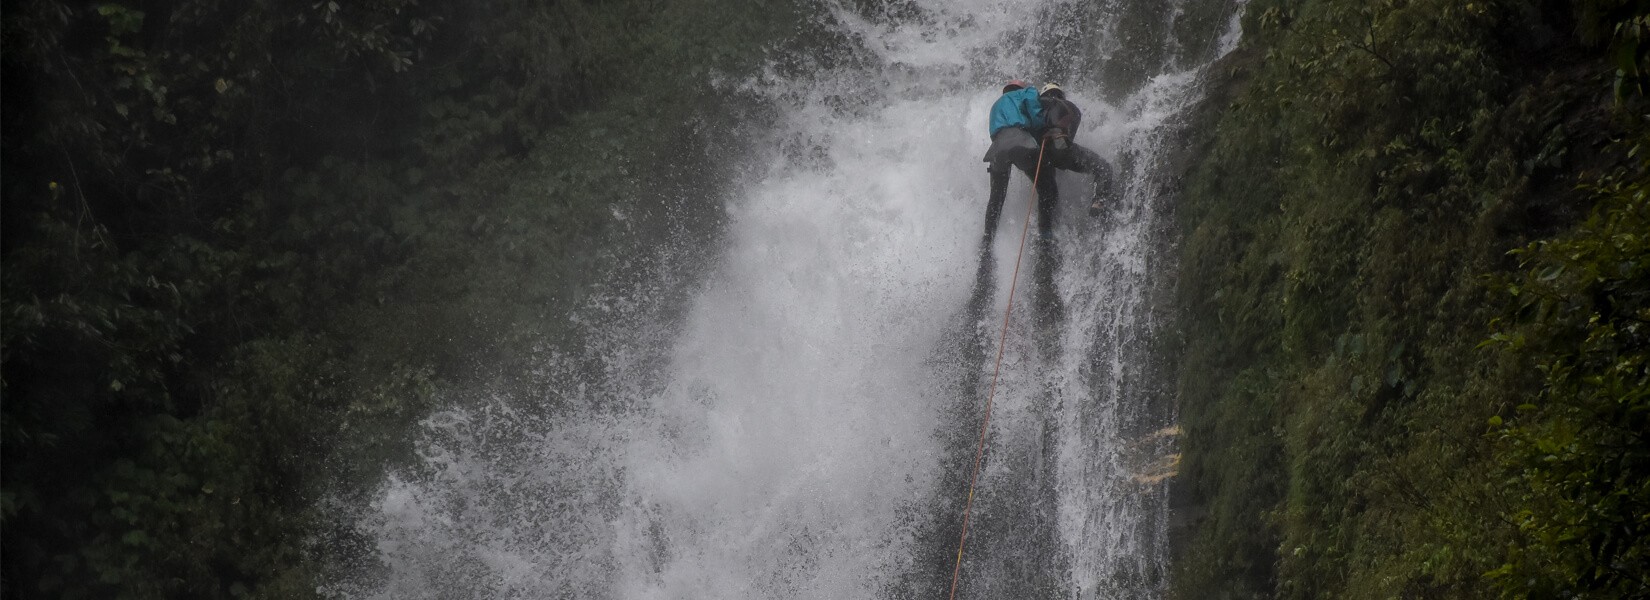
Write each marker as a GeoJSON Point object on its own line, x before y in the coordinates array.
{"type": "Point", "coordinates": [246, 243]}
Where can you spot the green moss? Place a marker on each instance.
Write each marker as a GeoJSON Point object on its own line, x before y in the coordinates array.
{"type": "Point", "coordinates": [1377, 160]}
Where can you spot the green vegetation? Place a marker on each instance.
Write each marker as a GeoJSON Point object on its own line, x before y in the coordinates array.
{"type": "Point", "coordinates": [246, 243]}
{"type": "Point", "coordinates": [1576, 456]}
{"type": "Point", "coordinates": [1382, 397]}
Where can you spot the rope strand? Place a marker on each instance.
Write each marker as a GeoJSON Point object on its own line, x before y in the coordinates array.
{"type": "Point", "coordinates": [1002, 340]}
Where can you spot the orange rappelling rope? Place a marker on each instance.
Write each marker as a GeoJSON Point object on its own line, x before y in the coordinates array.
{"type": "Point", "coordinates": [1001, 342]}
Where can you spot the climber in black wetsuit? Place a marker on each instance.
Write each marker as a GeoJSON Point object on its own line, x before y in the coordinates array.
{"type": "Point", "coordinates": [1061, 151]}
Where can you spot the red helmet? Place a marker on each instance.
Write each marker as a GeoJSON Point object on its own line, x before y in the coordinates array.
{"type": "Point", "coordinates": [1014, 84]}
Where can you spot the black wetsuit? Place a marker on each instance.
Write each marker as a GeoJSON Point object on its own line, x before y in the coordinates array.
{"type": "Point", "coordinates": [1014, 147]}
{"type": "Point", "coordinates": [1063, 151]}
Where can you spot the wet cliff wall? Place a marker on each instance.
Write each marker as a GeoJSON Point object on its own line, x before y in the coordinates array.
{"type": "Point", "coordinates": [1411, 304]}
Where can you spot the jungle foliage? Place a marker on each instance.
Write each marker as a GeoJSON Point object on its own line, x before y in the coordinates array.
{"type": "Point", "coordinates": [1415, 305]}
{"type": "Point", "coordinates": [245, 242]}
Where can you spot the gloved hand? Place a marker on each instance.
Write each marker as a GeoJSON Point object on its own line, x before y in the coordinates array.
{"type": "Point", "coordinates": [1056, 139]}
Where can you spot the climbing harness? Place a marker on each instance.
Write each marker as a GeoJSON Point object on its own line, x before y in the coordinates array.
{"type": "Point", "coordinates": [1002, 340]}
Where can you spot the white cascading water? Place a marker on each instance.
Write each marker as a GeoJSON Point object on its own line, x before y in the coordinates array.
{"type": "Point", "coordinates": [797, 433]}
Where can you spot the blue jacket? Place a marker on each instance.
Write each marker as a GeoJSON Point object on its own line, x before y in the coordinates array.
{"type": "Point", "coordinates": [1018, 108]}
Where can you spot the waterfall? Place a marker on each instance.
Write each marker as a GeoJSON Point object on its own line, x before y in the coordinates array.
{"type": "Point", "coordinates": [805, 427]}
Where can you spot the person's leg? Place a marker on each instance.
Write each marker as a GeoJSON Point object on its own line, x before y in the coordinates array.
{"type": "Point", "coordinates": [1048, 192]}
{"type": "Point", "coordinates": [1048, 201]}
{"type": "Point", "coordinates": [1073, 158]}
{"type": "Point", "coordinates": [1103, 185]}
{"type": "Point", "coordinates": [994, 204]}
{"type": "Point", "coordinates": [1010, 148]}
{"type": "Point", "coordinates": [1046, 257]}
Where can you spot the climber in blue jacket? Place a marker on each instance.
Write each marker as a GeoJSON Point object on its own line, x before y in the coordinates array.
{"type": "Point", "coordinates": [1016, 123]}
{"type": "Point", "coordinates": [1019, 106]}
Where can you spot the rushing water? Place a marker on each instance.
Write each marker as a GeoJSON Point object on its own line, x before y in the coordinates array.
{"type": "Point", "coordinates": [806, 427]}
